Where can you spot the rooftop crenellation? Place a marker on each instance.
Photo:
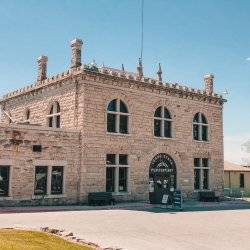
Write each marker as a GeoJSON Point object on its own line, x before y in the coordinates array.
{"type": "Point", "coordinates": [91, 70]}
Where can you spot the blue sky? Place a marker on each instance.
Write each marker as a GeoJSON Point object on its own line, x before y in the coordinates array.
{"type": "Point", "coordinates": [189, 38]}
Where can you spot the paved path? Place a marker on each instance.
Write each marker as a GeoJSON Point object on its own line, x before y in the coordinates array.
{"type": "Point", "coordinates": [153, 229]}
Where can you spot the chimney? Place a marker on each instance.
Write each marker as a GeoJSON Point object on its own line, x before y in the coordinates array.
{"type": "Point", "coordinates": [42, 68]}
{"type": "Point", "coordinates": [140, 69]}
{"type": "Point", "coordinates": [209, 83]}
{"type": "Point", "coordinates": [76, 46]}
{"type": "Point", "coordinates": [159, 73]}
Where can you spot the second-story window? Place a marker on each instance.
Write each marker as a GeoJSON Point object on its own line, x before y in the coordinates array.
{"type": "Point", "coordinates": [200, 127]}
{"type": "Point", "coordinates": [162, 122]}
{"type": "Point", "coordinates": [117, 117]}
{"type": "Point", "coordinates": [27, 115]}
{"type": "Point", "coordinates": [54, 117]}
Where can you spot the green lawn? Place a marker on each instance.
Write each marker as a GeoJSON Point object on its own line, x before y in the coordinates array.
{"type": "Point", "coordinates": [12, 239]}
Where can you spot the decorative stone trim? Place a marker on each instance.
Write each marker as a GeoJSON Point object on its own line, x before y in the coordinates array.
{"type": "Point", "coordinates": [125, 79]}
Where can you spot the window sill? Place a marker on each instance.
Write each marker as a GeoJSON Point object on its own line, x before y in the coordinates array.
{"type": "Point", "coordinates": [164, 138]}
{"type": "Point", "coordinates": [121, 193]}
{"type": "Point", "coordinates": [207, 142]}
{"type": "Point", "coordinates": [6, 198]}
{"type": "Point", "coordinates": [202, 190]}
{"type": "Point", "coordinates": [117, 134]}
{"type": "Point", "coordinates": [49, 196]}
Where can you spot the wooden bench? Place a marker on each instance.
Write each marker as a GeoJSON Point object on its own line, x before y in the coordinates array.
{"type": "Point", "coordinates": [101, 198]}
{"type": "Point", "coordinates": [208, 196]}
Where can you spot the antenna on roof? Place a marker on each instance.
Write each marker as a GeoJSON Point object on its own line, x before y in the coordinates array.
{"type": "Point", "coordinates": [142, 26]}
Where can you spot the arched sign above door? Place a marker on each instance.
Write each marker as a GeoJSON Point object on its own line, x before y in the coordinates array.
{"type": "Point", "coordinates": [162, 177]}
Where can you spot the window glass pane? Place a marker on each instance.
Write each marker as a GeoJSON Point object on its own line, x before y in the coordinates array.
{"type": "Point", "coordinates": [196, 162]}
{"type": "Point", "coordinates": [123, 124]}
{"type": "Point", "coordinates": [196, 132]}
{"type": "Point", "coordinates": [205, 178]}
{"type": "Point", "coordinates": [167, 128]}
{"type": "Point", "coordinates": [167, 114]}
{"type": "Point", "coordinates": [41, 180]}
{"type": "Point", "coordinates": [111, 123]}
{"type": "Point", "coordinates": [157, 128]}
{"type": "Point", "coordinates": [123, 107]}
{"type": "Point", "coordinates": [158, 112]}
{"type": "Point", "coordinates": [203, 119]}
{"type": "Point", "coordinates": [110, 159]}
{"type": "Point", "coordinates": [50, 122]}
{"type": "Point", "coordinates": [204, 133]}
{"type": "Point", "coordinates": [51, 109]}
{"type": "Point", "coordinates": [123, 159]}
{"type": "Point", "coordinates": [57, 180]}
{"type": "Point", "coordinates": [57, 107]}
{"type": "Point", "coordinates": [205, 163]}
{"type": "Point", "coordinates": [123, 179]}
{"type": "Point", "coordinates": [4, 180]}
{"type": "Point", "coordinates": [242, 181]}
{"type": "Point", "coordinates": [58, 120]}
{"type": "Point", "coordinates": [196, 178]}
{"type": "Point", "coordinates": [196, 118]}
{"type": "Point", "coordinates": [28, 114]}
{"type": "Point", "coordinates": [112, 105]}
{"type": "Point", "coordinates": [110, 179]}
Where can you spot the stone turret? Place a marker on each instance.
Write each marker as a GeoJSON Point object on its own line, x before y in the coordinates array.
{"type": "Point", "coordinates": [140, 69]}
{"type": "Point", "coordinates": [42, 68]}
{"type": "Point", "coordinates": [159, 73]}
{"type": "Point", "coordinates": [209, 83]}
{"type": "Point", "coordinates": [76, 46]}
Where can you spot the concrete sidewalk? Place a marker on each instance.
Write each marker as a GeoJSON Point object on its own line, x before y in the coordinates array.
{"type": "Point", "coordinates": [190, 205]}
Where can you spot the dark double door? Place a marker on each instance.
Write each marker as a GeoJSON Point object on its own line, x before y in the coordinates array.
{"type": "Point", "coordinates": [162, 178]}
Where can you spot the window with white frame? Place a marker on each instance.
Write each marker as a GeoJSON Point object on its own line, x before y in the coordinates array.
{"type": "Point", "coordinates": [4, 181]}
{"type": "Point", "coordinates": [200, 127]}
{"type": "Point", "coordinates": [49, 180]}
{"type": "Point", "coordinates": [162, 122]}
{"type": "Point", "coordinates": [201, 174]}
{"type": "Point", "coordinates": [54, 116]}
{"type": "Point", "coordinates": [117, 173]}
{"type": "Point", "coordinates": [117, 117]}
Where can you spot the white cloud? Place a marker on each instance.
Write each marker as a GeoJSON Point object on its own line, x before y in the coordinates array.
{"type": "Point", "coordinates": [248, 58]}
{"type": "Point", "coordinates": [237, 148]}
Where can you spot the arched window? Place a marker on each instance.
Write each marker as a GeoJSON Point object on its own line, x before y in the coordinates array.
{"type": "Point", "coordinates": [200, 127]}
{"type": "Point", "coordinates": [117, 117]}
{"type": "Point", "coordinates": [54, 115]}
{"type": "Point", "coordinates": [162, 122]}
{"type": "Point", "coordinates": [27, 115]}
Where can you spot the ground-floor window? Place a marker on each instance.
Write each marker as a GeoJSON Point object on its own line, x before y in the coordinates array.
{"type": "Point", "coordinates": [57, 180]}
{"type": "Point", "coordinates": [201, 174]}
{"type": "Point", "coordinates": [117, 173]}
{"type": "Point", "coordinates": [4, 180]}
{"type": "Point", "coordinates": [41, 180]}
{"type": "Point", "coordinates": [242, 181]}
{"type": "Point", "coordinates": [48, 180]}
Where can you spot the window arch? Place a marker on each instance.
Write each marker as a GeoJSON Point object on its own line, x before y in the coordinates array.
{"type": "Point", "coordinates": [54, 116]}
{"type": "Point", "coordinates": [162, 122]}
{"type": "Point", "coordinates": [117, 117]}
{"type": "Point", "coordinates": [200, 127]}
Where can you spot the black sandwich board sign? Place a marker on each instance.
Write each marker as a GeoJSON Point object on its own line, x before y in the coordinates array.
{"type": "Point", "coordinates": [177, 199]}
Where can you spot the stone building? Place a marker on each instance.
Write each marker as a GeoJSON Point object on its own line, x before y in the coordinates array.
{"type": "Point", "coordinates": [93, 129]}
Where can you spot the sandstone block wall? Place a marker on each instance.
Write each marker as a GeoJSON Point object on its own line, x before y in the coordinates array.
{"type": "Point", "coordinates": [59, 148]}
{"type": "Point", "coordinates": [84, 98]}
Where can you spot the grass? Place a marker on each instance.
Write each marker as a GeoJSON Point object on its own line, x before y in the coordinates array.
{"type": "Point", "coordinates": [12, 239]}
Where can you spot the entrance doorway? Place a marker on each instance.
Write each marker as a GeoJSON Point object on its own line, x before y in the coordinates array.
{"type": "Point", "coordinates": [162, 178]}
